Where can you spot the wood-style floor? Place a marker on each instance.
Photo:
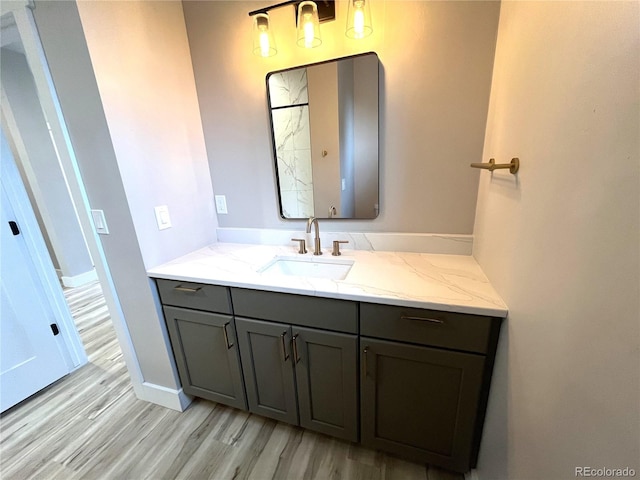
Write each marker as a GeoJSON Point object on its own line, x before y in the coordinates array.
{"type": "Point", "coordinates": [90, 425]}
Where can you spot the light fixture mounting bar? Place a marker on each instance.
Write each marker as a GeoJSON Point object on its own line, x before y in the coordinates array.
{"type": "Point", "coordinates": [277, 5]}
{"type": "Point", "coordinates": [326, 9]}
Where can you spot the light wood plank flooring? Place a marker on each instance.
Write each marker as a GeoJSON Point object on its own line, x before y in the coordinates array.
{"type": "Point", "coordinates": [89, 425]}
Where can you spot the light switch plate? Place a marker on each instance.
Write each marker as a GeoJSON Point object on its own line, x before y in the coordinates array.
{"type": "Point", "coordinates": [99, 222]}
{"type": "Point", "coordinates": [162, 217]}
{"type": "Point", "coordinates": [221, 204]}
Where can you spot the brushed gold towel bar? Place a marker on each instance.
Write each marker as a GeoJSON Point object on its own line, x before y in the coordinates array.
{"type": "Point", "coordinates": [513, 166]}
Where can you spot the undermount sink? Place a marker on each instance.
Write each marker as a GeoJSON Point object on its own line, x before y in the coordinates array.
{"type": "Point", "coordinates": [331, 269]}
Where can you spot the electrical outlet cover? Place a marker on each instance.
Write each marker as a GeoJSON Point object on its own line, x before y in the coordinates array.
{"type": "Point", "coordinates": [221, 204]}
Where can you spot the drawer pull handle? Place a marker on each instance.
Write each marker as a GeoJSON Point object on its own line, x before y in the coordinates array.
{"type": "Point", "coordinates": [296, 357]}
{"type": "Point", "coordinates": [285, 355]}
{"type": "Point", "coordinates": [226, 335]}
{"type": "Point", "coordinates": [364, 357]}
{"type": "Point", "coordinates": [422, 319]}
{"type": "Point", "coordinates": [187, 289]}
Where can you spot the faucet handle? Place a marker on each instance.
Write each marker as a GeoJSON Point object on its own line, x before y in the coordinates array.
{"type": "Point", "coordinates": [302, 247]}
{"type": "Point", "coordinates": [336, 247]}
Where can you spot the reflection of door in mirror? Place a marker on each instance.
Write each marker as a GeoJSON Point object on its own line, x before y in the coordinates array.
{"type": "Point", "coordinates": [325, 136]}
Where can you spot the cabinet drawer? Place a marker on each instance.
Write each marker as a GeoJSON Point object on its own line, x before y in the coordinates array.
{"type": "Point", "coordinates": [427, 327]}
{"type": "Point", "coordinates": [194, 295]}
{"type": "Point", "coordinates": [325, 313]}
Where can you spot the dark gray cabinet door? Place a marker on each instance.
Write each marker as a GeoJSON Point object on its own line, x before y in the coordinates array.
{"type": "Point", "coordinates": [327, 380]}
{"type": "Point", "coordinates": [265, 348]}
{"type": "Point", "coordinates": [420, 402]}
{"type": "Point", "coordinates": [206, 354]}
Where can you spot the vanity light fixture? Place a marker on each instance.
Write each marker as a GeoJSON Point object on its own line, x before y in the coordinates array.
{"type": "Point", "coordinates": [308, 25]}
{"type": "Point", "coordinates": [309, 15]}
{"type": "Point", "coordinates": [359, 19]}
{"type": "Point", "coordinates": [263, 42]}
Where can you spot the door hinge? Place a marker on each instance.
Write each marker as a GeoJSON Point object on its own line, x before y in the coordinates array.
{"type": "Point", "coordinates": [14, 227]}
{"type": "Point", "coordinates": [54, 329]}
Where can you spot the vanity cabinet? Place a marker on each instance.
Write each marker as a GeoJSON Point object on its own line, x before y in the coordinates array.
{"type": "Point", "coordinates": [204, 341]}
{"type": "Point", "coordinates": [424, 382]}
{"type": "Point", "coordinates": [294, 373]}
{"type": "Point", "coordinates": [408, 381]}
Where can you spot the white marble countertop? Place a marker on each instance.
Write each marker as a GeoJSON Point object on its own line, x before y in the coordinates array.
{"type": "Point", "coordinates": [452, 283]}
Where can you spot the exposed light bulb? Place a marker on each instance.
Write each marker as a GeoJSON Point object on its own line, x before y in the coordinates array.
{"type": "Point", "coordinates": [264, 43]}
{"type": "Point", "coordinates": [358, 19]}
{"type": "Point", "coordinates": [308, 35]}
{"type": "Point", "coordinates": [308, 31]}
{"type": "Point", "coordinates": [358, 22]}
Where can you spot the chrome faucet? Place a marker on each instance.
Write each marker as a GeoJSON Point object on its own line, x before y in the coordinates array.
{"type": "Point", "coordinates": [314, 220]}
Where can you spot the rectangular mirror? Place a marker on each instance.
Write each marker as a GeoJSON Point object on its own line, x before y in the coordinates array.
{"type": "Point", "coordinates": [324, 125]}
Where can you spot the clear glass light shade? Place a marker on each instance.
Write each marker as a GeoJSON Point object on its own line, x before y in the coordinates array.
{"type": "Point", "coordinates": [308, 25]}
{"type": "Point", "coordinates": [359, 19]}
{"type": "Point", "coordinates": [264, 44]}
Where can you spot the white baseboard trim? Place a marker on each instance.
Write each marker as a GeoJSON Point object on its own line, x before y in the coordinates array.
{"type": "Point", "coordinates": [163, 396]}
{"type": "Point", "coordinates": [79, 280]}
{"type": "Point", "coordinates": [471, 475]}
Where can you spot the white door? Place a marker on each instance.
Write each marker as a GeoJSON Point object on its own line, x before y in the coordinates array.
{"type": "Point", "coordinates": [30, 353]}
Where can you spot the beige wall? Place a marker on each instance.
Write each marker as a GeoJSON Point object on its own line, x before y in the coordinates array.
{"type": "Point", "coordinates": [561, 241]}
{"type": "Point", "coordinates": [140, 55]}
{"type": "Point", "coordinates": [437, 59]}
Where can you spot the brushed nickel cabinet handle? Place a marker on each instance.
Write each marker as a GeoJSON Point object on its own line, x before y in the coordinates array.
{"type": "Point", "coordinates": [285, 355]}
{"type": "Point", "coordinates": [296, 357]}
{"type": "Point", "coordinates": [364, 358]}
{"type": "Point", "coordinates": [187, 289]}
{"type": "Point", "coordinates": [226, 335]}
{"type": "Point", "coordinates": [422, 319]}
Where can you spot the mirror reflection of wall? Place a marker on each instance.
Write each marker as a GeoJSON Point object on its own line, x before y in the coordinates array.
{"type": "Point", "coordinates": [325, 136]}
